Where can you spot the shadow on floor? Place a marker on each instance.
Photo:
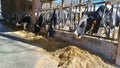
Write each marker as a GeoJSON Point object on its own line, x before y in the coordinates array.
{"type": "Point", "coordinates": [15, 39]}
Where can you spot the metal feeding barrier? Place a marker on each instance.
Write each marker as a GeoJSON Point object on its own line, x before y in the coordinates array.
{"type": "Point", "coordinates": [68, 19]}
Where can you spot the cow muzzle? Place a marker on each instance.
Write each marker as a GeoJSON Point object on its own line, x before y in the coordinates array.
{"type": "Point", "coordinates": [17, 24]}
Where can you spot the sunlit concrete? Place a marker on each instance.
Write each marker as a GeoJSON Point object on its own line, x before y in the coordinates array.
{"type": "Point", "coordinates": [18, 53]}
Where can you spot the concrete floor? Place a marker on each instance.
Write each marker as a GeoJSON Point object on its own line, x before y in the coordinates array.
{"type": "Point", "coordinates": [18, 53]}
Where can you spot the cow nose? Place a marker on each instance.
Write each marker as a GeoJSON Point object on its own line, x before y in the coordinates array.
{"type": "Point", "coordinates": [17, 24]}
{"type": "Point", "coordinates": [75, 32]}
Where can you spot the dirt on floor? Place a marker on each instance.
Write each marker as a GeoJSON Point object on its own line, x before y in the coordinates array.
{"type": "Point", "coordinates": [68, 55]}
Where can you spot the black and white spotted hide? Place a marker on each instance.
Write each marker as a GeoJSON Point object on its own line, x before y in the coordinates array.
{"type": "Point", "coordinates": [38, 24]}
{"type": "Point", "coordinates": [50, 31]}
{"type": "Point", "coordinates": [25, 22]}
{"type": "Point", "coordinates": [80, 30]}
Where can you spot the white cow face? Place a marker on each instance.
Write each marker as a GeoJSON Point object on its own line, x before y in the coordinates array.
{"type": "Point", "coordinates": [109, 6]}
{"type": "Point", "coordinates": [80, 30]}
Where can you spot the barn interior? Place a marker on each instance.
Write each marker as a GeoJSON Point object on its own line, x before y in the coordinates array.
{"type": "Point", "coordinates": [65, 49]}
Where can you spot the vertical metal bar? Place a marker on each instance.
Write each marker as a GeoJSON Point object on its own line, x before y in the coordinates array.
{"type": "Point", "coordinates": [80, 8]}
{"type": "Point", "coordinates": [119, 26]}
{"type": "Point", "coordinates": [50, 6]}
{"type": "Point", "coordinates": [94, 7]}
{"type": "Point", "coordinates": [62, 3]}
{"type": "Point", "coordinates": [63, 15]}
{"type": "Point", "coordinates": [33, 11]}
{"type": "Point", "coordinates": [71, 11]}
{"type": "Point", "coordinates": [116, 21]}
{"type": "Point", "coordinates": [118, 49]}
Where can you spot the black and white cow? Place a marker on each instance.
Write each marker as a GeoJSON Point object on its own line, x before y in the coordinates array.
{"type": "Point", "coordinates": [25, 22]}
{"type": "Point", "coordinates": [62, 18]}
{"type": "Point", "coordinates": [118, 19]}
{"type": "Point", "coordinates": [38, 24]}
{"type": "Point", "coordinates": [90, 22]}
{"type": "Point", "coordinates": [54, 18]}
{"type": "Point", "coordinates": [80, 30]}
{"type": "Point", "coordinates": [111, 20]}
{"type": "Point", "coordinates": [50, 31]}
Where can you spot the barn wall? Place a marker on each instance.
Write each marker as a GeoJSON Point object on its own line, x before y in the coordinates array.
{"type": "Point", "coordinates": [5, 4]}
{"type": "Point", "coordinates": [15, 6]}
{"type": "Point", "coordinates": [106, 49]}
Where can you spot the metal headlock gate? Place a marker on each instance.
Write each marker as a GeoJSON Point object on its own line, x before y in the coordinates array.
{"type": "Point", "coordinates": [68, 17]}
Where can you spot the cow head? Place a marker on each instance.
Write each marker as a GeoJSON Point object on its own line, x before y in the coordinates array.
{"type": "Point", "coordinates": [19, 23]}
{"type": "Point", "coordinates": [80, 30]}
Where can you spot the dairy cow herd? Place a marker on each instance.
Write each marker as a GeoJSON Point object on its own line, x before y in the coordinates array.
{"type": "Point", "coordinates": [90, 22]}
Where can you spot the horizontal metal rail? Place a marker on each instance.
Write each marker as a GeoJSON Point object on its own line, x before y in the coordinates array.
{"type": "Point", "coordinates": [73, 6]}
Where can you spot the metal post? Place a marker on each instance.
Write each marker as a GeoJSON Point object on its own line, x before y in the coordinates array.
{"type": "Point", "coordinates": [62, 3]}
{"type": "Point", "coordinates": [36, 5]}
{"type": "Point", "coordinates": [63, 15]}
{"type": "Point", "coordinates": [118, 49]}
{"type": "Point", "coordinates": [50, 6]}
{"type": "Point", "coordinates": [94, 8]}
{"type": "Point", "coordinates": [118, 8]}
{"type": "Point", "coordinates": [80, 9]}
{"type": "Point", "coordinates": [115, 21]}
{"type": "Point", "coordinates": [71, 11]}
{"type": "Point", "coordinates": [45, 11]}
{"type": "Point", "coordinates": [33, 11]}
